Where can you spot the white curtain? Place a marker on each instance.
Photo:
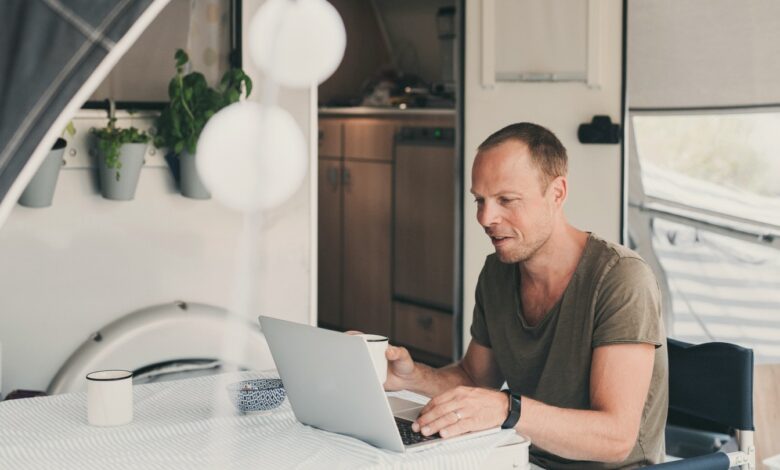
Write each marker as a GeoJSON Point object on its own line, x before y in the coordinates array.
{"type": "Point", "coordinates": [703, 53]}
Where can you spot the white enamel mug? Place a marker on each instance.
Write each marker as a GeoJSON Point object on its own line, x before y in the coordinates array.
{"type": "Point", "coordinates": [109, 397]}
{"type": "Point", "coordinates": [377, 346]}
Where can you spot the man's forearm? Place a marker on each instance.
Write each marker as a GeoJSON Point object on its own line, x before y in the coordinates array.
{"type": "Point", "coordinates": [431, 382]}
{"type": "Point", "coordinates": [576, 434]}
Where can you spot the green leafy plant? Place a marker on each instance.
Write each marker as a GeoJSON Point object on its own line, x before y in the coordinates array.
{"type": "Point", "coordinates": [111, 139]}
{"type": "Point", "coordinates": [193, 102]}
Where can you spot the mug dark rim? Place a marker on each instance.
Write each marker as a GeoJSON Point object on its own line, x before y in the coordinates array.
{"type": "Point", "coordinates": [129, 374]}
{"type": "Point", "coordinates": [376, 340]}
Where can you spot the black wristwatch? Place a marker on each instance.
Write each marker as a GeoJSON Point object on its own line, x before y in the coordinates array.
{"type": "Point", "coordinates": [514, 410]}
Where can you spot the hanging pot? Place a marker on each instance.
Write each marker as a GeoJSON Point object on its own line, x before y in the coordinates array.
{"type": "Point", "coordinates": [119, 183]}
{"type": "Point", "coordinates": [40, 189]}
{"type": "Point", "coordinates": [190, 183]}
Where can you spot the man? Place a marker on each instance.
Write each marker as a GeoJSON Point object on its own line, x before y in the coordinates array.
{"type": "Point", "coordinates": [571, 322]}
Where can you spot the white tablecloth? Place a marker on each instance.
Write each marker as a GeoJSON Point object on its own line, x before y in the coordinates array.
{"type": "Point", "coordinates": [179, 425]}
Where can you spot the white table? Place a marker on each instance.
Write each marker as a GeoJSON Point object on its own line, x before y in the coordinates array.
{"type": "Point", "coordinates": [184, 424]}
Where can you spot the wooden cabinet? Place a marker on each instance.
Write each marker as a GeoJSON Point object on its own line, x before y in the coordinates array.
{"type": "Point", "coordinates": [329, 252]}
{"type": "Point", "coordinates": [366, 235]}
{"type": "Point", "coordinates": [331, 138]}
{"type": "Point", "coordinates": [354, 227]}
{"type": "Point", "coordinates": [386, 231]}
{"type": "Point", "coordinates": [370, 139]}
{"type": "Point", "coordinates": [424, 241]}
{"type": "Point", "coordinates": [424, 217]}
{"type": "Point", "coordinates": [423, 329]}
{"type": "Point", "coordinates": [329, 223]}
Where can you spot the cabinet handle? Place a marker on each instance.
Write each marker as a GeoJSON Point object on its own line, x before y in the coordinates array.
{"type": "Point", "coordinates": [425, 322]}
{"type": "Point", "coordinates": [333, 176]}
{"type": "Point", "coordinates": [346, 177]}
{"type": "Point", "coordinates": [321, 135]}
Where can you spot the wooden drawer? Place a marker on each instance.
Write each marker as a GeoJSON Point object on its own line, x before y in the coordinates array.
{"type": "Point", "coordinates": [422, 328]}
{"type": "Point", "coordinates": [330, 138]}
{"type": "Point", "coordinates": [369, 139]}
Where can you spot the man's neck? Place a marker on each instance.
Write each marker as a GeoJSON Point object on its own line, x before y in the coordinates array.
{"type": "Point", "coordinates": [556, 261]}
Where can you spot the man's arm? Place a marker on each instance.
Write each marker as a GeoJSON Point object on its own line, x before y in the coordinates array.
{"type": "Point", "coordinates": [619, 381]}
{"type": "Point", "coordinates": [478, 368]}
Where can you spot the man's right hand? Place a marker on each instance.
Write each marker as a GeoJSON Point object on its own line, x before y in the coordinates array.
{"type": "Point", "coordinates": [401, 369]}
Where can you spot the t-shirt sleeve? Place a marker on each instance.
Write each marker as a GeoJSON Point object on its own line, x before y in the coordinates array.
{"type": "Point", "coordinates": [628, 306]}
{"type": "Point", "coordinates": [479, 331]}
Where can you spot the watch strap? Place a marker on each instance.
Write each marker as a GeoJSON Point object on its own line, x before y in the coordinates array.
{"type": "Point", "coordinates": [514, 410]}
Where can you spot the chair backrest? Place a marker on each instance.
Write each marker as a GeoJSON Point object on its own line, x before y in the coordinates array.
{"type": "Point", "coordinates": [710, 386]}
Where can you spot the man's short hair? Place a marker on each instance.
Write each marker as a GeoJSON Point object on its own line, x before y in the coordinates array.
{"type": "Point", "coordinates": [547, 152]}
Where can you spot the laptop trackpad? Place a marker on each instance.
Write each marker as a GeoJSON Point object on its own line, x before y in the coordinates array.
{"type": "Point", "coordinates": [404, 408]}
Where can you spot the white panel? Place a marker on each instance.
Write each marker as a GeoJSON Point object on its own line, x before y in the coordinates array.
{"type": "Point", "coordinates": [542, 39]}
{"type": "Point", "coordinates": [594, 170]}
{"type": "Point", "coordinates": [703, 53]}
{"type": "Point", "coordinates": [69, 269]}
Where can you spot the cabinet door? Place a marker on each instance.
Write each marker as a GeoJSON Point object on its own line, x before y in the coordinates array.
{"type": "Point", "coordinates": [329, 249]}
{"type": "Point", "coordinates": [367, 214]}
{"type": "Point", "coordinates": [329, 141]}
{"type": "Point", "coordinates": [425, 224]}
{"type": "Point", "coordinates": [370, 139]}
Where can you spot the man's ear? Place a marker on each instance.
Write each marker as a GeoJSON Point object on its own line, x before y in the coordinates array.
{"type": "Point", "coordinates": [559, 188]}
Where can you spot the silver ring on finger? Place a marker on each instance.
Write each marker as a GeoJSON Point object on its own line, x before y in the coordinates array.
{"type": "Point", "coordinates": [458, 417]}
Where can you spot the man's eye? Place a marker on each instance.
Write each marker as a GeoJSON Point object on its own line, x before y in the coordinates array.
{"type": "Point", "coordinates": [505, 200]}
{"type": "Point", "coordinates": [479, 201]}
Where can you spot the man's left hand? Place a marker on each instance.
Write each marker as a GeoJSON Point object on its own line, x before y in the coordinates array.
{"type": "Point", "coordinates": [462, 409]}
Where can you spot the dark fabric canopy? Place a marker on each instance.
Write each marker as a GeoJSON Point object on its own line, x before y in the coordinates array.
{"type": "Point", "coordinates": [48, 50]}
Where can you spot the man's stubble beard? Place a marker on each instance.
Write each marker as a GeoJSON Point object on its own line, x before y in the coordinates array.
{"type": "Point", "coordinates": [524, 253]}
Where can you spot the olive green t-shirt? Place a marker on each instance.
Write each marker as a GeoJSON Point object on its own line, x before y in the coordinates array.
{"type": "Point", "coordinates": [612, 297]}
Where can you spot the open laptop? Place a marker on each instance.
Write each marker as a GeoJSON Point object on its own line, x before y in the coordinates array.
{"type": "Point", "coordinates": [331, 384]}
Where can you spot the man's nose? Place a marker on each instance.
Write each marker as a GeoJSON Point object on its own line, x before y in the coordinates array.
{"type": "Point", "coordinates": [488, 215]}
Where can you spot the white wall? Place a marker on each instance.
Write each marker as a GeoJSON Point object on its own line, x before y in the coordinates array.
{"type": "Point", "coordinates": [594, 170]}
{"type": "Point", "coordinates": [69, 269]}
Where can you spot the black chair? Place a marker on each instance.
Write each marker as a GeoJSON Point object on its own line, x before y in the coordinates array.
{"type": "Point", "coordinates": [711, 391]}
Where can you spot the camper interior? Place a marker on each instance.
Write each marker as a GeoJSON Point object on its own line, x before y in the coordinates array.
{"type": "Point", "coordinates": [668, 110]}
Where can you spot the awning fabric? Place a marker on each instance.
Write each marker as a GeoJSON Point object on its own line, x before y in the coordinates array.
{"type": "Point", "coordinates": [49, 50]}
{"type": "Point", "coordinates": [703, 53]}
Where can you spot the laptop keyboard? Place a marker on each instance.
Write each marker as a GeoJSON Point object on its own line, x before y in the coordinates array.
{"type": "Point", "coordinates": [410, 437]}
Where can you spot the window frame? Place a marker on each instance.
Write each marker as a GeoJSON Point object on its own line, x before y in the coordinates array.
{"type": "Point", "coordinates": [234, 59]}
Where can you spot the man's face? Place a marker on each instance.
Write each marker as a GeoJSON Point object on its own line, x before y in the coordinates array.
{"type": "Point", "coordinates": [511, 205]}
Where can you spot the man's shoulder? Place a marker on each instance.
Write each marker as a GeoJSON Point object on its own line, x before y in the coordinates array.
{"type": "Point", "coordinates": [618, 261]}
{"type": "Point", "coordinates": [602, 248]}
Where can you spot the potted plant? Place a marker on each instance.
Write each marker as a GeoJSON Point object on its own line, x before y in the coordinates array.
{"type": "Point", "coordinates": [192, 103]}
{"type": "Point", "coordinates": [40, 190]}
{"type": "Point", "coordinates": [120, 158]}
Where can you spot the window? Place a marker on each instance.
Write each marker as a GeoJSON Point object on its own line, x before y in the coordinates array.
{"type": "Point", "coordinates": [725, 163]}
{"type": "Point", "coordinates": [207, 29]}
{"type": "Point", "coordinates": [705, 196]}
